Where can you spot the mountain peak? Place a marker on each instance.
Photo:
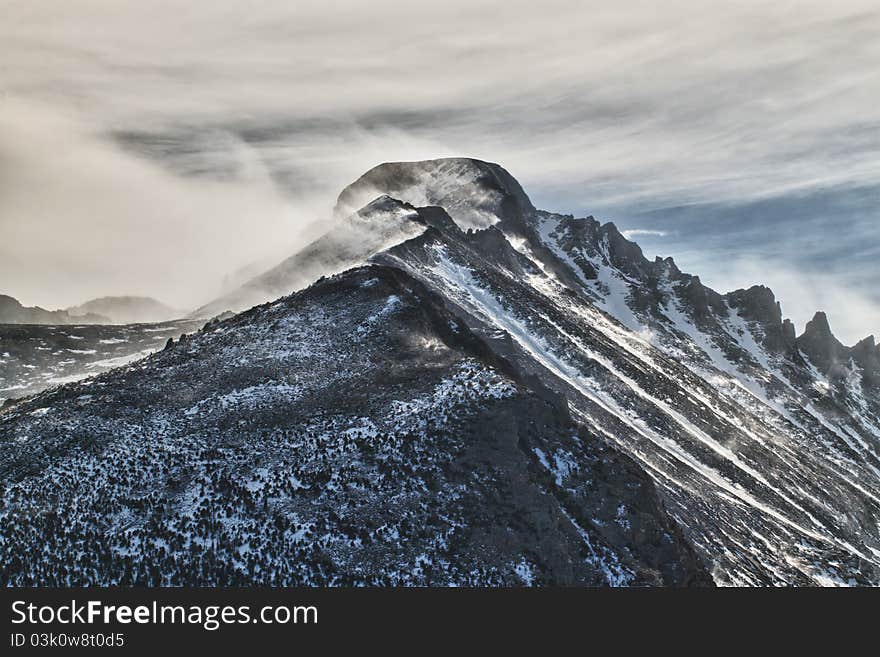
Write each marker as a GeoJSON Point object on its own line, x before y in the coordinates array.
{"type": "Point", "coordinates": [818, 325]}
{"type": "Point", "coordinates": [385, 206]}
{"type": "Point", "coordinates": [823, 349]}
{"type": "Point", "coordinates": [867, 356]}
{"type": "Point", "coordinates": [476, 194]}
{"type": "Point", "coordinates": [759, 304]}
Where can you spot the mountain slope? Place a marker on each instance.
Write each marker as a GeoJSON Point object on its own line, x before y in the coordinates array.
{"type": "Point", "coordinates": [769, 460]}
{"type": "Point", "coordinates": [762, 445]}
{"type": "Point", "coordinates": [736, 465]}
{"type": "Point", "coordinates": [354, 433]}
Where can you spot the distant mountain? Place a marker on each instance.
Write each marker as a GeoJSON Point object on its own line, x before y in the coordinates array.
{"type": "Point", "coordinates": [105, 310]}
{"type": "Point", "coordinates": [127, 310]}
{"type": "Point", "coordinates": [13, 312]}
{"type": "Point", "coordinates": [488, 394]}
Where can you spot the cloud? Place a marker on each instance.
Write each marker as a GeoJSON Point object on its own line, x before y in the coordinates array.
{"type": "Point", "coordinates": [245, 109]}
{"type": "Point", "coordinates": [79, 217]}
{"type": "Point", "coordinates": [620, 101]}
{"type": "Point", "coordinates": [635, 233]}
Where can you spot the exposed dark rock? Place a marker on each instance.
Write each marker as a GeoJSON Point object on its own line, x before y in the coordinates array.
{"type": "Point", "coordinates": [474, 193]}
{"type": "Point", "coordinates": [758, 304]}
{"type": "Point", "coordinates": [821, 347]}
{"type": "Point", "coordinates": [867, 357]}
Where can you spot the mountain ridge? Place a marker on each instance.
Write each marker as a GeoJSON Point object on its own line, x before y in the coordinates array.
{"type": "Point", "coordinates": [307, 483]}
{"type": "Point", "coordinates": [764, 453]}
{"type": "Point", "coordinates": [510, 208]}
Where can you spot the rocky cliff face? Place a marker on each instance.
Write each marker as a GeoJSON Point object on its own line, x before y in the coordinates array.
{"type": "Point", "coordinates": [475, 194]}
{"type": "Point", "coordinates": [835, 360]}
{"type": "Point", "coordinates": [503, 396]}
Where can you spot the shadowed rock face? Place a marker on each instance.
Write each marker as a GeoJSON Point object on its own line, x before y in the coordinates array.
{"type": "Point", "coordinates": [759, 304]}
{"type": "Point", "coordinates": [834, 359]}
{"type": "Point", "coordinates": [866, 355]}
{"type": "Point", "coordinates": [820, 345]}
{"type": "Point", "coordinates": [515, 383]}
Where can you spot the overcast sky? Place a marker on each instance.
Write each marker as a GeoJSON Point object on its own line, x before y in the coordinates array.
{"type": "Point", "coordinates": [157, 147]}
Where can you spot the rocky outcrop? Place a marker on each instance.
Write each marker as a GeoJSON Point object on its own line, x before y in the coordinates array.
{"type": "Point", "coordinates": [866, 354]}
{"type": "Point", "coordinates": [758, 304]}
{"type": "Point", "coordinates": [474, 193]}
{"type": "Point", "coordinates": [821, 347]}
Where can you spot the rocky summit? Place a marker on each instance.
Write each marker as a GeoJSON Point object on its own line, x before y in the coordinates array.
{"type": "Point", "coordinates": [474, 392]}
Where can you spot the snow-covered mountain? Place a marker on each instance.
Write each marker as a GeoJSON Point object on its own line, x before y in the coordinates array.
{"type": "Point", "coordinates": [502, 395]}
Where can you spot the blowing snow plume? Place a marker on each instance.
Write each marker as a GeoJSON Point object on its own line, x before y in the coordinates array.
{"type": "Point", "coordinates": [83, 218]}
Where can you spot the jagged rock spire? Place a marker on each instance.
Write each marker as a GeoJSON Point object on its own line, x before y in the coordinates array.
{"type": "Point", "coordinates": [821, 347]}
{"type": "Point", "coordinates": [867, 356]}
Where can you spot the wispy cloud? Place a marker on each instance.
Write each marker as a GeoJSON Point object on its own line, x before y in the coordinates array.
{"type": "Point", "coordinates": [636, 233]}
{"type": "Point", "coordinates": [81, 218]}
